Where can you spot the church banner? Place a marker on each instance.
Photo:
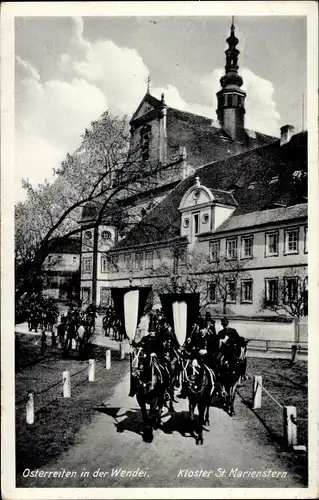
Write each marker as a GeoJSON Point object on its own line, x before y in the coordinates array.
{"type": "Point", "coordinates": [181, 311]}
{"type": "Point", "coordinates": [129, 304]}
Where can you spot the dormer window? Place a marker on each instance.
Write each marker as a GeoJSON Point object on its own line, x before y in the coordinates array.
{"type": "Point", "coordinates": [274, 179]}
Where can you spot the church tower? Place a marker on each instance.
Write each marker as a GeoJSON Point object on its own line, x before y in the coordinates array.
{"type": "Point", "coordinates": [231, 98]}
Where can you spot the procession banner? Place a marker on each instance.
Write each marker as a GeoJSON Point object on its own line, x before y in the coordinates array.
{"type": "Point", "coordinates": [181, 310]}
{"type": "Point", "coordinates": [129, 304]}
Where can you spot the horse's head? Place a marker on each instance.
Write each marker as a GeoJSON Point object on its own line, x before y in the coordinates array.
{"type": "Point", "coordinates": [141, 362]}
{"type": "Point", "coordinates": [194, 374]}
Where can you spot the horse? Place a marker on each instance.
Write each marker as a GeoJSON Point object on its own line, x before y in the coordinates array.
{"type": "Point", "coordinates": [231, 368]}
{"type": "Point", "coordinates": [150, 382]}
{"type": "Point", "coordinates": [173, 362]}
{"type": "Point", "coordinates": [200, 383]}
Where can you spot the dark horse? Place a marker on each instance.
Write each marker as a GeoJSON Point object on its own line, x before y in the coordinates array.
{"type": "Point", "coordinates": [231, 368]}
{"type": "Point", "coordinates": [150, 382]}
{"type": "Point", "coordinates": [172, 361]}
{"type": "Point", "coordinates": [200, 383]}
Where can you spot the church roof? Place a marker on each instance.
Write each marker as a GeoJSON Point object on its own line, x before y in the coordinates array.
{"type": "Point", "coordinates": [204, 139]}
{"type": "Point", "coordinates": [262, 175]}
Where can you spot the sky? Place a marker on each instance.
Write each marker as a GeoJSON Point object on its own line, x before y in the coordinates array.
{"type": "Point", "coordinates": [68, 70]}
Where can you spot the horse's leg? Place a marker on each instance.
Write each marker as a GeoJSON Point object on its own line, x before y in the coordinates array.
{"type": "Point", "coordinates": [192, 417]}
{"type": "Point", "coordinates": [148, 432]}
{"type": "Point", "coordinates": [206, 420]}
{"type": "Point", "coordinates": [232, 394]}
{"type": "Point", "coordinates": [201, 413]}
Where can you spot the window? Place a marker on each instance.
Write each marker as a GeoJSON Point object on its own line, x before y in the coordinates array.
{"type": "Point", "coordinates": [291, 290]}
{"type": "Point", "coordinates": [105, 295]}
{"type": "Point", "coordinates": [214, 251]}
{"type": "Point", "coordinates": [182, 257]}
{"type": "Point", "coordinates": [127, 262]}
{"type": "Point", "coordinates": [274, 179]}
{"type": "Point", "coordinates": [196, 223]}
{"type": "Point", "coordinates": [306, 239]}
{"type": "Point", "coordinates": [247, 291]}
{"type": "Point", "coordinates": [86, 295]}
{"type": "Point", "coordinates": [113, 261]}
{"type": "Point", "coordinates": [103, 265]}
{"type": "Point", "coordinates": [272, 244]}
{"type": "Point", "coordinates": [246, 247]}
{"type": "Point", "coordinates": [87, 235]}
{"type": "Point", "coordinates": [87, 264]}
{"type": "Point", "coordinates": [74, 258]}
{"type": "Point", "coordinates": [291, 241]}
{"type": "Point", "coordinates": [271, 290]}
{"type": "Point", "coordinates": [212, 292]}
{"type": "Point", "coordinates": [149, 260]}
{"type": "Point", "coordinates": [145, 141]}
{"type": "Point", "coordinates": [231, 291]}
{"type": "Point", "coordinates": [139, 261]}
{"type": "Point", "coordinates": [231, 248]}
{"type": "Point", "coordinates": [305, 297]}
{"type": "Point", "coordinates": [106, 235]}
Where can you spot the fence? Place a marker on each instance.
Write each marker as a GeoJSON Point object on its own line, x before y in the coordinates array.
{"type": "Point", "coordinates": [278, 348]}
{"type": "Point", "coordinates": [65, 383]}
{"type": "Point", "coordinates": [289, 419]}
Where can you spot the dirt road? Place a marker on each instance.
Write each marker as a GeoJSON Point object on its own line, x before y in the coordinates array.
{"type": "Point", "coordinates": [111, 450]}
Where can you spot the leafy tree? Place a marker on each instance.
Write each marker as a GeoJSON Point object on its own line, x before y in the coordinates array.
{"type": "Point", "coordinates": [291, 297]}
{"type": "Point", "coordinates": [106, 169]}
{"type": "Point", "coordinates": [193, 272]}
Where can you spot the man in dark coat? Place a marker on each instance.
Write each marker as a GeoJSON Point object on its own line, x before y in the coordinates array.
{"type": "Point", "coordinates": [227, 332]}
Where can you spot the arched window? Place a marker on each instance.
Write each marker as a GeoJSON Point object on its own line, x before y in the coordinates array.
{"type": "Point", "coordinates": [145, 141]}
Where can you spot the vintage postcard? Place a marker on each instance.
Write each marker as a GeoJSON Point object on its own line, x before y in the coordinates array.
{"type": "Point", "coordinates": [159, 277]}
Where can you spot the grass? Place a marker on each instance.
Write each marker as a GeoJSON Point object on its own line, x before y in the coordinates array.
{"type": "Point", "coordinates": [288, 384]}
{"type": "Point", "coordinates": [58, 420]}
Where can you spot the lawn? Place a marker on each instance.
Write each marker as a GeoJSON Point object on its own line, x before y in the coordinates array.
{"type": "Point", "coordinates": [288, 384]}
{"type": "Point", "coordinates": [58, 420]}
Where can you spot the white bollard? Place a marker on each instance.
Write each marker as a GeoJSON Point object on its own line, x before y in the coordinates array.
{"type": "Point", "coordinates": [91, 370]}
{"type": "Point", "coordinates": [257, 391]}
{"type": "Point", "coordinates": [66, 384]}
{"type": "Point", "coordinates": [122, 352]}
{"type": "Point", "coordinates": [290, 426]}
{"type": "Point", "coordinates": [108, 359]}
{"type": "Point", "coordinates": [30, 408]}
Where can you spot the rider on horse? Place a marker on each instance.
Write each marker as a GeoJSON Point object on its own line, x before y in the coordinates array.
{"type": "Point", "coordinates": [195, 348]}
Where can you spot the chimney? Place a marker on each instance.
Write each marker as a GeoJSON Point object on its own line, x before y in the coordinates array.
{"type": "Point", "coordinates": [286, 133]}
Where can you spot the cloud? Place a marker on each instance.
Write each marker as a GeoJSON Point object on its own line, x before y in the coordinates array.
{"type": "Point", "coordinates": [94, 76]}
{"type": "Point", "coordinates": [50, 118]}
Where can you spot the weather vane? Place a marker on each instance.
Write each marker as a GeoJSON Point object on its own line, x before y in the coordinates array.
{"type": "Point", "coordinates": [148, 84]}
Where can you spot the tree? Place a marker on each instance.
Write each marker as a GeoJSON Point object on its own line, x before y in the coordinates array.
{"type": "Point", "coordinates": [103, 171]}
{"type": "Point", "coordinates": [224, 286]}
{"type": "Point", "coordinates": [288, 294]}
{"type": "Point", "coordinates": [193, 272]}
{"type": "Point", "coordinates": [185, 273]}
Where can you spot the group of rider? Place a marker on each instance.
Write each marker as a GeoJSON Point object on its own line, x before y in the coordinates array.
{"type": "Point", "coordinates": [203, 344]}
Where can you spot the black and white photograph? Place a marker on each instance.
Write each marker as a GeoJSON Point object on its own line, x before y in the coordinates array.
{"type": "Point", "coordinates": [158, 337]}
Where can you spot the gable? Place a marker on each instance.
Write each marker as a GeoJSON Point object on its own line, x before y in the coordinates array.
{"type": "Point", "coordinates": [145, 108]}
{"type": "Point", "coordinates": [148, 103]}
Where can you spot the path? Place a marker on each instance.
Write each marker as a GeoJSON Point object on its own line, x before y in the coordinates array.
{"type": "Point", "coordinates": [113, 441]}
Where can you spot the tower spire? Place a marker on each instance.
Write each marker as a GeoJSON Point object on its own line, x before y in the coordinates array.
{"type": "Point", "coordinates": [231, 97]}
